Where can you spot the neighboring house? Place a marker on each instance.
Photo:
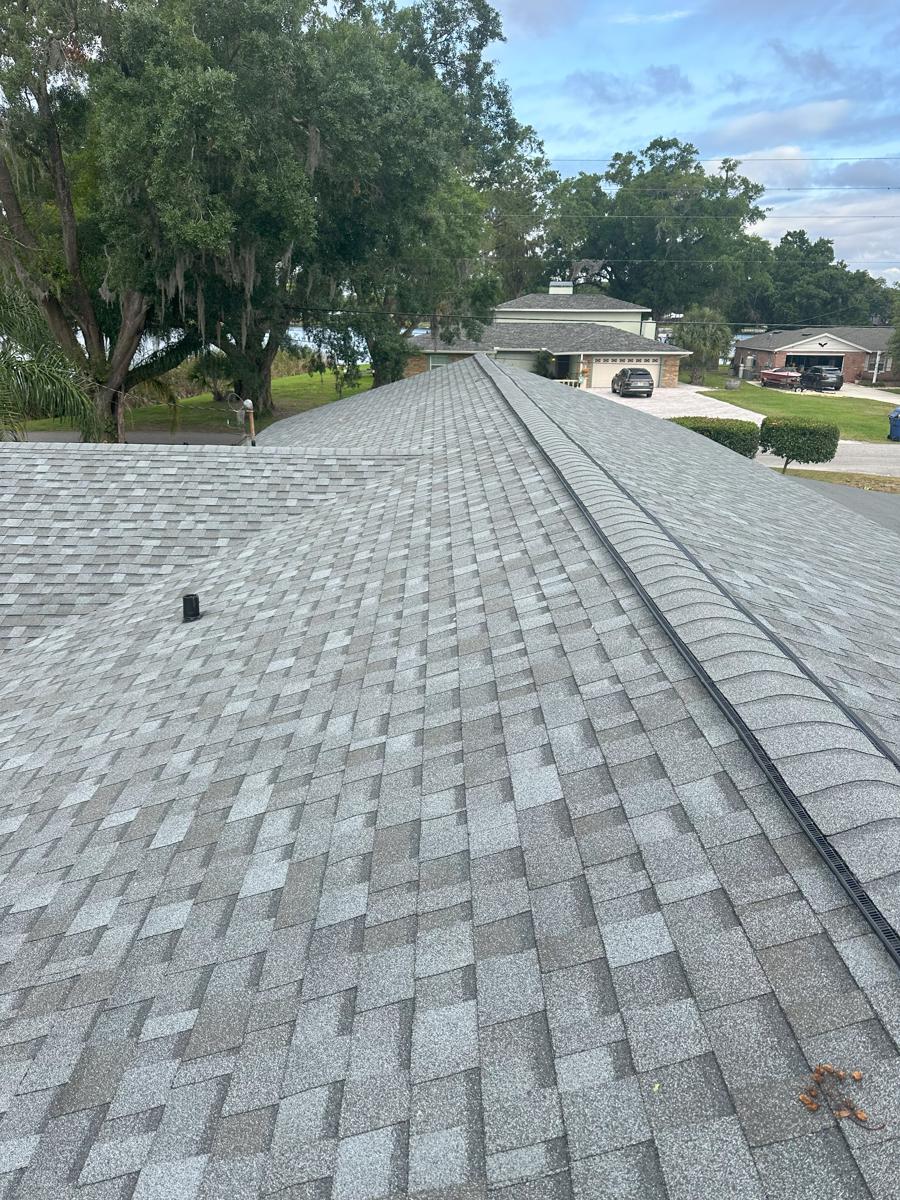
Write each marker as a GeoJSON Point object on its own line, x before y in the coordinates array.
{"type": "Point", "coordinates": [591, 338]}
{"type": "Point", "coordinates": [442, 858]}
{"type": "Point", "coordinates": [858, 350]}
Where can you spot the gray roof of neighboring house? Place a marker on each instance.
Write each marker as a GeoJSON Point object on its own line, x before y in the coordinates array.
{"type": "Point", "coordinates": [580, 300]}
{"type": "Point", "coordinates": [869, 337]}
{"type": "Point", "coordinates": [424, 865]}
{"type": "Point", "coordinates": [559, 337]}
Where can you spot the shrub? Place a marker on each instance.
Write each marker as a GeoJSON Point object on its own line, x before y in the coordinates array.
{"type": "Point", "coordinates": [740, 436]}
{"type": "Point", "coordinates": [796, 440]}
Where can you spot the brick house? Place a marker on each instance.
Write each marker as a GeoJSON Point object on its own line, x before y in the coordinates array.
{"type": "Point", "coordinates": [589, 336]}
{"type": "Point", "coordinates": [860, 351]}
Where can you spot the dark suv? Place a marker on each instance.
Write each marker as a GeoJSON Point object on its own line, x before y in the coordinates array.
{"type": "Point", "coordinates": [633, 381]}
{"type": "Point", "coordinates": [822, 379]}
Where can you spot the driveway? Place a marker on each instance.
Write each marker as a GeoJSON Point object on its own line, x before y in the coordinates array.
{"type": "Point", "coordinates": [682, 401]}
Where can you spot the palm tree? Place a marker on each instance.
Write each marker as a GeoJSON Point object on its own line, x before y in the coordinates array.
{"type": "Point", "coordinates": [705, 333]}
{"type": "Point", "coordinates": [36, 379]}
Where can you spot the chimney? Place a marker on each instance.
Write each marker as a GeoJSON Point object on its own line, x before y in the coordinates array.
{"type": "Point", "coordinates": [561, 287]}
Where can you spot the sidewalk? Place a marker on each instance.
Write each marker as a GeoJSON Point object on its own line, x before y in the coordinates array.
{"type": "Point", "coordinates": [871, 458]}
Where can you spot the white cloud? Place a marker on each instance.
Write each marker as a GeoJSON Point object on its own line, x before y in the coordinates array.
{"type": "Point", "coordinates": [661, 18]}
{"type": "Point", "coordinates": [802, 120]}
{"type": "Point", "coordinates": [537, 16]}
{"type": "Point", "coordinates": [864, 228]}
{"type": "Point", "coordinates": [778, 166]}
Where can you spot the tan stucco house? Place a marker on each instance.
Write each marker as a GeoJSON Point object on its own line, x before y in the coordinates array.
{"type": "Point", "coordinates": [591, 337]}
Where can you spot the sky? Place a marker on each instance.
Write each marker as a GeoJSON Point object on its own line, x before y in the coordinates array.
{"type": "Point", "coordinates": [812, 87]}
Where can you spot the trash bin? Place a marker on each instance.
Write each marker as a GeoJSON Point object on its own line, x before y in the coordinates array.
{"type": "Point", "coordinates": [894, 431]}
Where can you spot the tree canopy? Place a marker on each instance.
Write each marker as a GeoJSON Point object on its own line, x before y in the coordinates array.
{"type": "Point", "coordinates": [655, 228]}
{"type": "Point", "coordinates": [175, 174]}
{"type": "Point", "coordinates": [811, 287]}
{"type": "Point", "coordinates": [180, 177]}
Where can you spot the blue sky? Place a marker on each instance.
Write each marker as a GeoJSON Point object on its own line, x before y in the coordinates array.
{"type": "Point", "coordinates": [769, 79]}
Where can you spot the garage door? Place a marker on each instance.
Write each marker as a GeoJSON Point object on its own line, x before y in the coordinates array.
{"type": "Point", "coordinates": [605, 368]}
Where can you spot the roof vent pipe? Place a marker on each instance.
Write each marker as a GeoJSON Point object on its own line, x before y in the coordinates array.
{"type": "Point", "coordinates": [190, 608]}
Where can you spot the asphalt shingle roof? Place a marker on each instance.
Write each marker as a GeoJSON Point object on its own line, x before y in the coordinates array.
{"type": "Point", "coordinates": [559, 337]}
{"type": "Point", "coordinates": [580, 300]}
{"type": "Point", "coordinates": [869, 337]}
{"type": "Point", "coordinates": [423, 865]}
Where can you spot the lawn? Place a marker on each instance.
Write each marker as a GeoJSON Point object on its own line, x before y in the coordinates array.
{"type": "Point", "coordinates": [200, 414]}
{"type": "Point", "coordinates": [859, 419]}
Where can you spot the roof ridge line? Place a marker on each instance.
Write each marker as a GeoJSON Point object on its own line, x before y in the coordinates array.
{"type": "Point", "coordinates": [796, 778]}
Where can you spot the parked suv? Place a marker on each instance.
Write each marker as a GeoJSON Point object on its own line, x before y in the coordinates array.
{"type": "Point", "coordinates": [822, 379]}
{"type": "Point", "coordinates": [633, 381]}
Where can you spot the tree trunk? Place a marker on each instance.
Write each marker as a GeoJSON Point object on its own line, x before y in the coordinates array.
{"type": "Point", "coordinates": [134, 317]}
{"type": "Point", "coordinates": [252, 367]}
{"type": "Point", "coordinates": [381, 373]}
{"type": "Point", "coordinates": [388, 355]}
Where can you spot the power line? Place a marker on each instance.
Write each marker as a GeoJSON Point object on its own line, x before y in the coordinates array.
{"type": "Point", "coordinates": [730, 216]}
{"type": "Point", "coordinates": [679, 191]}
{"type": "Point", "coordinates": [705, 262]}
{"type": "Point", "coordinates": [740, 160]}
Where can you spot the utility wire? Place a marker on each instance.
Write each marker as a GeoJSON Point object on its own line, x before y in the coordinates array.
{"type": "Point", "coordinates": [712, 179]}
{"type": "Point", "coordinates": [842, 158]}
{"type": "Point", "coordinates": [588, 214]}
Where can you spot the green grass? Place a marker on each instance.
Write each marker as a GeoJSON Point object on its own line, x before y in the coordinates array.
{"type": "Point", "coordinates": [867, 483]}
{"type": "Point", "coordinates": [859, 419]}
{"type": "Point", "coordinates": [200, 414]}
{"type": "Point", "coordinates": [713, 378]}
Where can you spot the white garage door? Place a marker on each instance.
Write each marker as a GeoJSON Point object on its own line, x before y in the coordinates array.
{"type": "Point", "coordinates": [605, 368]}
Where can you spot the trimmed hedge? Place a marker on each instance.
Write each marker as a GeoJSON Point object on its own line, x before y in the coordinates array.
{"type": "Point", "coordinates": [740, 436]}
{"type": "Point", "coordinates": [796, 440]}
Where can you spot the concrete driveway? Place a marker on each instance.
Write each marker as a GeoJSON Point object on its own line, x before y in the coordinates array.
{"type": "Point", "coordinates": [682, 401]}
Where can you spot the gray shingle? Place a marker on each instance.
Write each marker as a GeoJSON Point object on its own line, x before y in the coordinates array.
{"type": "Point", "coordinates": [423, 860]}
